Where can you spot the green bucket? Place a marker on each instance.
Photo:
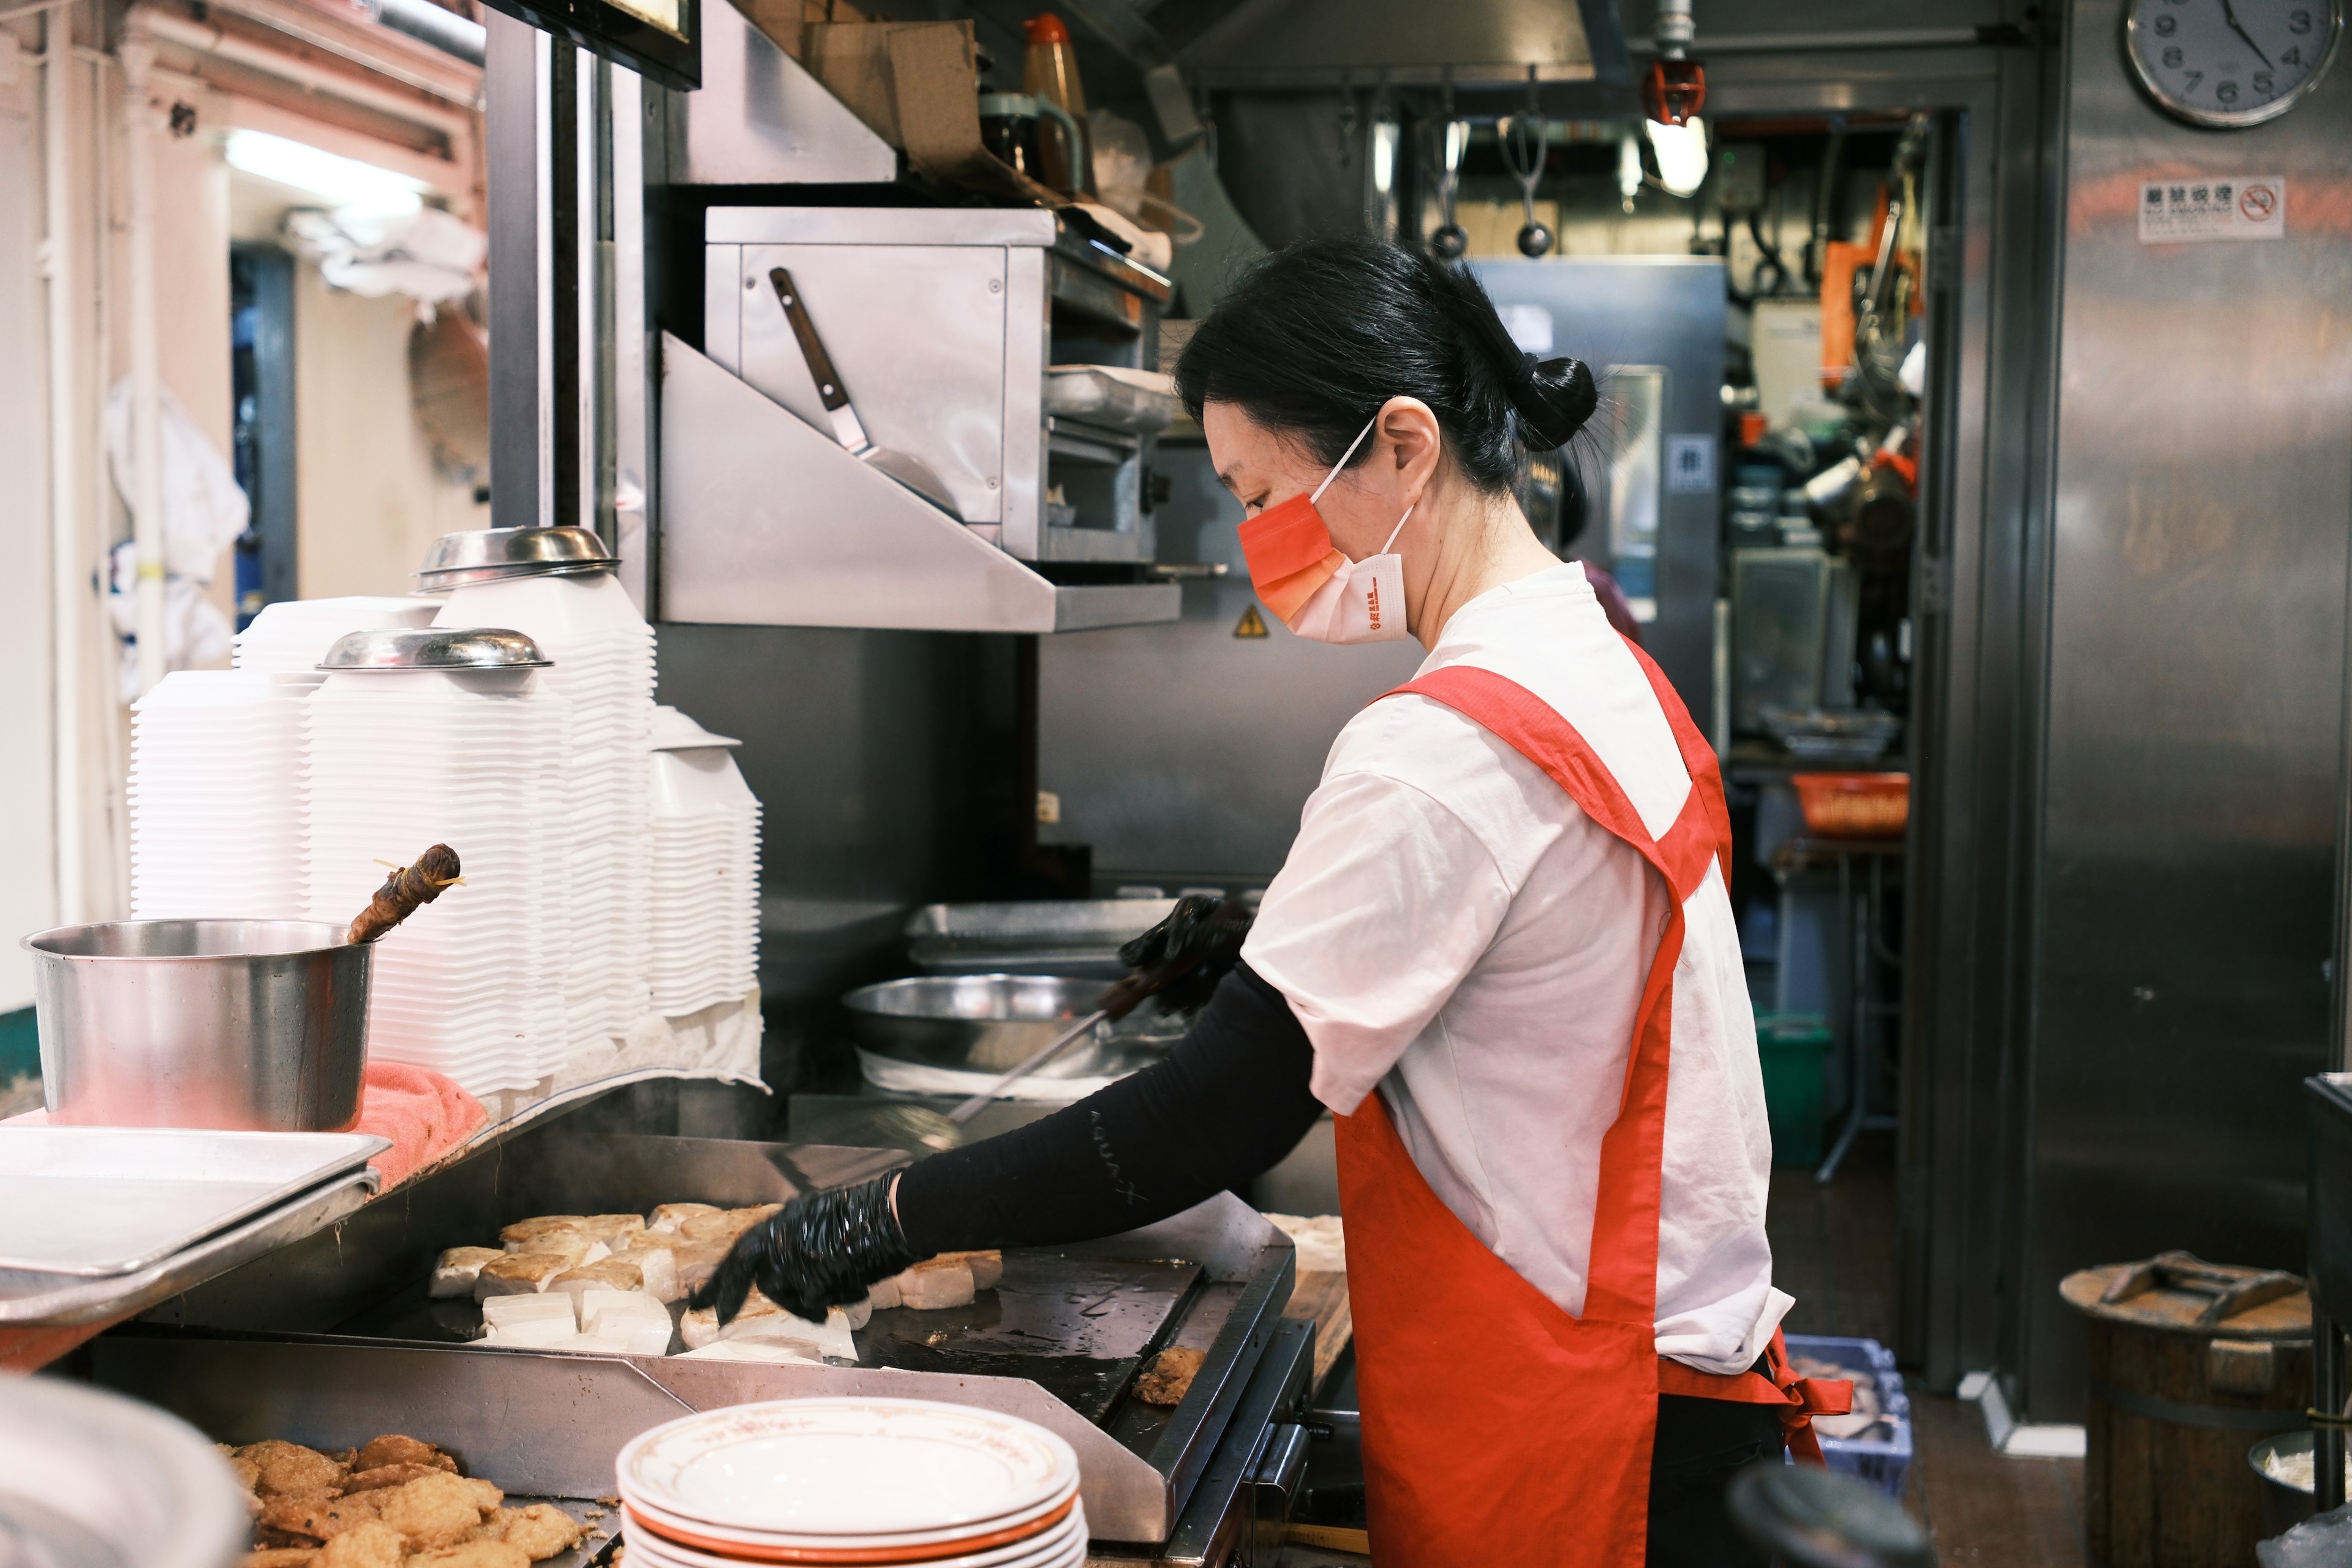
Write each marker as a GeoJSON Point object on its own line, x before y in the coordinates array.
{"type": "Point", "coordinates": [1794, 1045]}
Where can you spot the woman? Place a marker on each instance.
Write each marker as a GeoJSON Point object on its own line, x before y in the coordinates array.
{"type": "Point", "coordinates": [1501, 951]}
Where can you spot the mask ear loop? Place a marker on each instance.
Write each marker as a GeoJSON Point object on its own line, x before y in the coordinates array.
{"type": "Point", "coordinates": [1343, 460]}
{"type": "Point", "coordinates": [1399, 528]}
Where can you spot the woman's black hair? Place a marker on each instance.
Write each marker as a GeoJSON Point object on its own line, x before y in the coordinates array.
{"type": "Point", "coordinates": [1313, 338]}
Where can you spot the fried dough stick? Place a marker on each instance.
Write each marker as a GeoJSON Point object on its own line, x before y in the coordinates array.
{"type": "Point", "coordinates": [405, 889]}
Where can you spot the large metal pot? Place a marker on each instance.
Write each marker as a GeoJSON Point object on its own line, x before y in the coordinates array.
{"type": "Point", "coordinates": [988, 1023]}
{"type": "Point", "coordinates": [253, 1026]}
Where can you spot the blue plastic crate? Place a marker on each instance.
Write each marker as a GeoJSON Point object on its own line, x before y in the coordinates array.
{"type": "Point", "coordinates": [1882, 1455]}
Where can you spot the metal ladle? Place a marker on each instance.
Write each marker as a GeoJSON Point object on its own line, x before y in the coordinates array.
{"type": "Point", "coordinates": [1451, 241]}
{"type": "Point", "coordinates": [1526, 139]}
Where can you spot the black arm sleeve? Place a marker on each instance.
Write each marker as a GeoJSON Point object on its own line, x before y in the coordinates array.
{"type": "Point", "coordinates": [1228, 1102]}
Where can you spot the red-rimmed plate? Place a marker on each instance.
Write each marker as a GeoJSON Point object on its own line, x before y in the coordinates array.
{"type": "Point", "coordinates": [1047, 1548]}
{"type": "Point", "coordinates": [817, 1474]}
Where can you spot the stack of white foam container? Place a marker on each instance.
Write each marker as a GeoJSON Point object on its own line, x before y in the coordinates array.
{"type": "Point", "coordinates": [705, 881]}
{"type": "Point", "coordinates": [601, 949]}
{"type": "Point", "coordinates": [290, 636]}
{"type": "Point", "coordinates": [215, 772]}
{"type": "Point", "coordinates": [400, 760]}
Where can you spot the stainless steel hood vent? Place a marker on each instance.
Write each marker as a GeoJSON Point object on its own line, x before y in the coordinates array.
{"type": "Point", "coordinates": [766, 521]}
{"type": "Point", "coordinates": [1578, 51]}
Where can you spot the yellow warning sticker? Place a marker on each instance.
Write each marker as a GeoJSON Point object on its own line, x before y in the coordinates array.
{"type": "Point", "coordinates": [1253, 625]}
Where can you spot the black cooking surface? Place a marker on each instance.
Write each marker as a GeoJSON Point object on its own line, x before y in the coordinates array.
{"type": "Point", "coordinates": [1080, 1326]}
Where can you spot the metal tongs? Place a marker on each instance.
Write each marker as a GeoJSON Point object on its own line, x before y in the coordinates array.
{"type": "Point", "coordinates": [847, 429]}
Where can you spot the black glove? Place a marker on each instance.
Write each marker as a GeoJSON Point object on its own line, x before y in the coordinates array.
{"type": "Point", "coordinates": [822, 1250]}
{"type": "Point", "coordinates": [1206, 932]}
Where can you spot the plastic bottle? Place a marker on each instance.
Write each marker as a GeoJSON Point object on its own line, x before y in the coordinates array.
{"type": "Point", "coordinates": [1050, 71]}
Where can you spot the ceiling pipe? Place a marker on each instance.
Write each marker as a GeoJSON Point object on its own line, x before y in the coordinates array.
{"type": "Point", "coordinates": [455, 124]}
{"type": "Point", "coordinates": [444, 30]}
{"type": "Point", "coordinates": [387, 53]}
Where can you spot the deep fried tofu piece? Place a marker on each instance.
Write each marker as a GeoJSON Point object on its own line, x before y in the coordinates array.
{"type": "Point", "coordinates": [389, 1475]}
{"type": "Point", "coordinates": [473, 1554]}
{"type": "Point", "coordinates": [392, 1448]}
{"type": "Point", "coordinates": [280, 1557]}
{"type": "Point", "coordinates": [543, 1529]}
{"type": "Point", "coordinates": [1170, 1377]}
{"type": "Point", "coordinates": [247, 1473]}
{"type": "Point", "coordinates": [374, 1545]}
{"type": "Point", "coordinates": [437, 1509]}
{"type": "Point", "coordinates": [288, 1469]}
{"type": "Point", "coordinates": [320, 1515]}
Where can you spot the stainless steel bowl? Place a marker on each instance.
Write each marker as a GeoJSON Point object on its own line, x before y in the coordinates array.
{"type": "Point", "coordinates": [488, 554]}
{"type": "Point", "coordinates": [91, 1479]}
{"type": "Point", "coordinates": [2285, 1504]}
{"type": "Point", "coordinates": [253, 1026]}
{"type": "Point", "coordinates": [434, 647]}
{"type": "Point", "coordinates": [991, 1023]}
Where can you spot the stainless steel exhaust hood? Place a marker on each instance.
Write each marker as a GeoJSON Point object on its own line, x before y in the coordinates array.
{"type": "Point", "coordinates": [1577, 52]}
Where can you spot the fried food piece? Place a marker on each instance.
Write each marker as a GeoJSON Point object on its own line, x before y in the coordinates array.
{"type": "Point", "coordinates": [247, 1473]}
{"type": "Point", "coordinates": [987, 1267]}
{"type": "Point", "coordinates": [320, 1514]}
{"type": "Point", "coordinates": [521, 1273]}
{"type": "Point", "coordinates": [288, 1469]}
{"type": "Point", "coordinates": [437, 1509]}
{"type": "Point", "coordinates": [543, 1529]}
{"type": "Point", "coordinates": [522, 1233]}
{"type": "Point", "coordinates": [1170, 1377]}
{"type": "Point", "coordinates": [726, 1223]}
{"type": "Point", "coordinates": [667, 1217]}
{"type": "Point", "coordinates": [280, 1557]}
{"type": "Point", "coordinates": [615, 1229]}
{"type": "Point", "coordinates": [473, 1554]}
{"type": "Point", "coordinates": [384, 1475]}
{"type": "Point", "coordinates": [393, 1449]}
{"type": "Point", "coordinates": [656, 1265]}
{"type": "Point", "coordinates": [452, 1275]}
{"type": "Point", "coordinates": [883, 1295]}
{"type": "Point", "coordinates": [373, 1544]}
{"type": "Point", "coordinates": [612, 1274]}
{"type": "Point", "coordinates": [941, 1282]}
{"type": "Point", "coordinates": [697, 1261]}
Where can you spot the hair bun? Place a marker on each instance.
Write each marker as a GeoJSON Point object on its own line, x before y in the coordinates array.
{"type": "Point", "coordinates": [1554, 397]}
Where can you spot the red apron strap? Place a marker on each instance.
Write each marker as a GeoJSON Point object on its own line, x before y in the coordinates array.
{"type": "Point", "coordinates": [1799, 1398]}
{"type": "Point", "coordinates": [1699, 757]}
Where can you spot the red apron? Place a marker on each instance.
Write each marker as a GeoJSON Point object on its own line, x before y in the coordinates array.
{"type": "Point", "coordinates": [1498, 1429]}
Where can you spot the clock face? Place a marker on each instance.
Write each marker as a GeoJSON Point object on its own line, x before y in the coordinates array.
{"type": "Point", "coordinates": [2230, 62]}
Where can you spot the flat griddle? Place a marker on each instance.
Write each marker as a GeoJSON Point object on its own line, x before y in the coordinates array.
{"type": "Point", "coordinates": [1061, 1340]}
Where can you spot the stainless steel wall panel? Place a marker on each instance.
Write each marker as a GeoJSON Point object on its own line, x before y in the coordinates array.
{"type": "Point", "coordinates": [1182, 748]}
{"type": "Point", "coordinates": [2201, 505]}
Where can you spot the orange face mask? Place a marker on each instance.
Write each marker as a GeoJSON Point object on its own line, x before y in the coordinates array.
{"type": "Point", "coordinates": [1316, 591]}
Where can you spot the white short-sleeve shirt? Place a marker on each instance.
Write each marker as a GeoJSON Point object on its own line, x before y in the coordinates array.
{"type": "Point", "coordinates": [1452, 929]}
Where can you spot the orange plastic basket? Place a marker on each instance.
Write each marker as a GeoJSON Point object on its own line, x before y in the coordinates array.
{"type": "Point", "coordinates": [1854, 806]}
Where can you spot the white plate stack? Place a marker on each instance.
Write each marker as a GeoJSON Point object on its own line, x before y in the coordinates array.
{"type": "Point", "coordinates": [291, 635]}
{"type": "Point", "coordinates": [403, 758]}
{"type": "Point", "coordinates": [705, 883]}
{"type": "Point", "coordinates": [601, 952]}
{"type": "Point", "coordinates": [852, 1480]}
{"type": "Point", "coordinates": [214, 792]}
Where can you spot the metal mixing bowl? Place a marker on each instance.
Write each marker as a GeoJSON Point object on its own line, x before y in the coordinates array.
{"type": "Point", "coordinates": [990, 1023]}
{"type": "Point", "coordinates": [488, 554]}
{"type": "Point", "coordinates": [2285, 1504]}
{"type": "Point", "coordinates": [252, 1026]}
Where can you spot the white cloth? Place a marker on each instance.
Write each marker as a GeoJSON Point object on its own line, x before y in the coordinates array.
{"type": "Point", "coordinates": [1452, 928]}
{"type": "Point", "coordinates": [204, 509]}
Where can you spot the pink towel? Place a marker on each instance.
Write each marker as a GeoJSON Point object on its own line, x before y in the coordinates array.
{"type": "Point", "coordinates": [424, 1113]}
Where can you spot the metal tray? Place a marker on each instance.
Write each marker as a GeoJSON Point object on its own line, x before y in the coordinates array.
{"type": "Point", "coordinates": [1077, 938]}
{"type": "Point", "coordinates": [91, 1202]}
